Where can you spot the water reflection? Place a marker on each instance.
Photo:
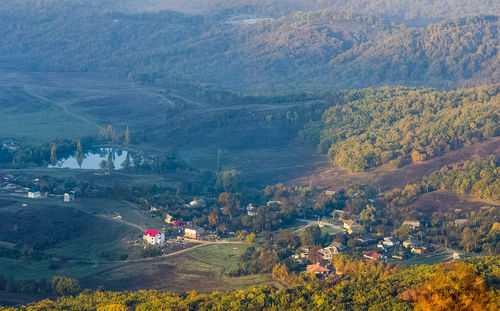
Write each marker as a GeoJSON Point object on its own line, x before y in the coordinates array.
{"type": "Point", "coordinates": [102, 158]}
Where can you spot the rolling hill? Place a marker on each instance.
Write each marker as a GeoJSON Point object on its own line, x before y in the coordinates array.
{"type": "Point", "coordinates": [316, 50]}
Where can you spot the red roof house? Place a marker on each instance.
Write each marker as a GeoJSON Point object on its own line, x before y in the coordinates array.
{"type": "Point", "coordinates": [151, 232]}
{"type": "Point", "coordinates": [372, 255]}
{"type": "Point", "coordinates": [317, 269]}
{"type": "Point", "coordinates": [153, 236]}
{"type": "Point", "coordinates": [178, 223]}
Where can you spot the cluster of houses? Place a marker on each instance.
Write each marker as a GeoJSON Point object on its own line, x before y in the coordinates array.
{"type": "Point", "coordinates": [11, 184]}
{"type": "Point", "coordinates": [191, 231]}
{"type": "Point", "coordinates": [9, 145]}
{"type": "Point", "coordinates": [321, 268]}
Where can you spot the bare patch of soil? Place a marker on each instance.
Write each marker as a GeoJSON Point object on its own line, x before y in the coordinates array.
{"type": "Point", "coordinates": [454, 203]}
{"type": "Point", "coordinates": [335, 178]}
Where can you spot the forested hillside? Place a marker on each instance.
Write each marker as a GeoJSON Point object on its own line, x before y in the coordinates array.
{"type": "Point", "coordinates": [415, 11]}
{"type": "Point", "coordinates": [471, 285]}
{"type": "Point", "coordinates": [402, 125]}
{"type": "Point", "coordinates": [481, 177]}
{"type": "Point", "coordinates": [251, 53]}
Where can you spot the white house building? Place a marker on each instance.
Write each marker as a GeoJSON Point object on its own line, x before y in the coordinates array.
{"type": "Point", "coordinates": [34, 194]}
{"type": "Point", "coordinates": [68, 197]}
{"type": "Point", "coordinates": [154, 237]}
{"type": "Point", "coordinates": [251, 210]}
{"type": "Point", "coordinates": [390, 241]}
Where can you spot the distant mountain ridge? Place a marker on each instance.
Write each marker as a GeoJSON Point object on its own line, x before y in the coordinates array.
{"type": "Point", "coordinates": [319, 50]}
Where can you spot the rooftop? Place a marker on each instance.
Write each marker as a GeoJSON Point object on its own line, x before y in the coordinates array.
{"type": "Point", "coordinates": [151, 232]}
{"type": "Point", "coordinates": [317, 268]}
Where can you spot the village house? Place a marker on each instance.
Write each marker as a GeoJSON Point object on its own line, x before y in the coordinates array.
{"type": "Point", "coordinates": [333, 249]}
{"type": "Point", "coordinates": [197, 203]}
{"type": "Point", "coordinates": [365, 239]}
{"type": "Point", "coordinates": [178, 223]}
{"type": "Point", "coordinates": [460, 222]}
{"type": "Point", "coordinates": [352, 227]}
{"type": "Point", "coordinates": [193, 232]}
{"type": "Point", "coordinates": [412, 223]}
{"type": "Point", "coordinates": [418, 250]}
{"type": "Point", "coordinates": [411, 242]}
{"type": "Point", "coordinates": [372, 255]}
{"type": "Point", "coordinates": [317, 269]}
{"type": "Point", "coordinates": [68, 197]}
{"type": "Point", "coordinates": [169, 219]}
{"type": "Point", "coordinates": [154, 237]}
{"type": "Point", "coordinates": [251, 210]}
{"type": "Point", "coordinates": [382, 247]}
{"type": "Point", "coordinates": [338, 214]}
{"type": "Point", "coordinates": [390, 241]}
{"type": "Point", "coordinates": [34, 194]}
{"type": "Point", "coordinates": [11, 186]}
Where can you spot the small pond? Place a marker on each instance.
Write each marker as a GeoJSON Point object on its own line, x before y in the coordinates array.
{"type": "Point", "coordinates": [110, 158]}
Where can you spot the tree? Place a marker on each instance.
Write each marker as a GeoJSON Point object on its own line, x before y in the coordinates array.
{"type": "Point", "coordinates": [109, 132]}
{"type": "Point", "coordinates": [469, 239]}
{"type": "Point", "coordinates": [367, 216]}
{"type": "Point", "coordinates": [267, 260]}
{"type": "Point", "coordinates": [127, 136]}
{"type": "Point", "coordinates": [288, 240]}
{"type": "Point", "coordinates": [103, 164]}
{"type": "Point", "coordinates": [250, 239]}
{"type": "Point", "coordinates": [126, 163]}
{"type": "Point", "coordinates": [280, 273]}
{"type": "Point", "coordinates": [404, 231]}
{"type": "Point", "coordinates": [230, 203]}
{"type": "Point", "coordinates": [311, 236]}
{"type": "Point", "coordinates": [314, 255]}
{"type": "Point", "coordinates": [79, 153]}
{"type": "Point", "coordinates": [457, 286]}
{"type": "Point", "coordinates": [213, 219]}
{"type": "Point", "coordinates": [110, 165]}
{"type": "Point", "coordinates": [53, 155]}
{"type": "Point", "coordinates": [65, 286]}
{"type": "Point", "coordinates": [229, 181]}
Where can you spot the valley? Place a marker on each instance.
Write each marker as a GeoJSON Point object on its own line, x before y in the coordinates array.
{"type": "Point", "coordinates": [249, 155]}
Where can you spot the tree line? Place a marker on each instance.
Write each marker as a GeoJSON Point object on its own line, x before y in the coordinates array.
{"type": "Point", "coordinates": [471, 285]}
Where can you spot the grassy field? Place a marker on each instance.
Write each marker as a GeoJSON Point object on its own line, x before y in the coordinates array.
{"type": "Point", "coordinates": [115, 178]}
{"type": "Point", "coordinates": [76, 237]}
{"type": "Point", "coordinates": [84, 241]}
{"type": "Point", "coordinates": [203, 269]}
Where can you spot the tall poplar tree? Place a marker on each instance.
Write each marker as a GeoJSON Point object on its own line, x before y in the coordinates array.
{"type": "Point", "coordinates": [53, 155]}
{"type": "Point", "coordinates": [127, 136]}
{"type": "Point", "coordinates": [79, 153]}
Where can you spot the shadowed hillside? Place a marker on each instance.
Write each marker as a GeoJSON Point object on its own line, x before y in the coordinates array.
{"type": "Point", "coordinates": [251, 53]}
